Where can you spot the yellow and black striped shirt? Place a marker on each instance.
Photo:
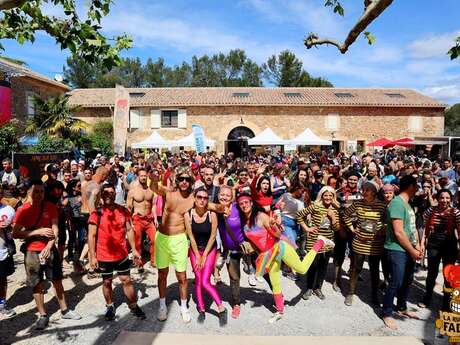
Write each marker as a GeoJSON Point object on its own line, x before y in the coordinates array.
{"type": "Point", "coordinates": [320, 221]}
{"type": "Point", "coordinates": [369, 238]}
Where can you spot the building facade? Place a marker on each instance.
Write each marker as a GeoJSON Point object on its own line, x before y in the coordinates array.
{"type": "Point", "coordinates": [348, 117]}
{"type": "Point", "coordinates": [19, 86]}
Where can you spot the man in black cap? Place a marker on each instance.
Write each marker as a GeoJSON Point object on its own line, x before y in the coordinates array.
{"type": "Point", "coordinates": [317, 185]}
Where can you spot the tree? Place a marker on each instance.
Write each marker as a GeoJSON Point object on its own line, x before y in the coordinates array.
{"type": "Point", "coordinates": [101, 137]}
{"type": "Point", "coordinates": [9, 138]}
{"type": "Point", "coordinates": [372, 10]}
{"type": "Point", "coordinates": [54, 118]}
{"type": "Point", "coordinates": [452, 121]}
{"type": "Point", "coordinates": [286, 70]}
{"type": "Point", "coordinates": [79, 73]}
{"type": "Point", "coordinates": [21, 20]}
{"type": "Point", "coordinates": [47, 143]}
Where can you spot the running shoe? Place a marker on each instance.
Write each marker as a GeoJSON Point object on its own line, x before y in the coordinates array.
{"type": "Point", "coordinates": [110, 313]}
{"type": "Point", "coordinates": [162, 314]}
{"type": "Point", "coordinates": [327, 242]}
{"type": "Point", "coordinates": [223, 318]}
{"type": "Point", "coordinates": [186, 317]}
{"type": "Point", "coordinates": [252, 279]}
{"type": "Point", "coordinates": [336, 287]}
{"type": "Point", "coordinates": [292, 276]}
{"type": "Point", "coordinates": [306, 296]}
{"type": "Point", "coordinates": [349, 300]}
{"type": "Point", "coordinates": [70, 314]}
{"type": "Point", "coordinates": [42, 322]}
{"type": "Point", "coordinates": [277, 316]}
{"type": "Point", "coordinates": [236, 310]}
{"type": "Point", "coordinates": [319, 294]}
{"type": "Point", "coordinates": [137, 312]}
{"type": "Point", "coordinates": [260, 279]}
{"type": "Point", "coordinates": [6, 313]}
{"type": "Point", "coordinates": [201, 317]}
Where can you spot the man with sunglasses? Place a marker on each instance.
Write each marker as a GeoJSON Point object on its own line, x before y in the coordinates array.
{"type": "Point", "coordinates": [171, 243]}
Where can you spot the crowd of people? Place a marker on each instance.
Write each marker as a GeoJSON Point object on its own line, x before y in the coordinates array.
{"type": "Point", "coordinates": [272, 216]}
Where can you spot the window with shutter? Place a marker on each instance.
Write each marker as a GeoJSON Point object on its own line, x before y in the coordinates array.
{"type": "Point", "coordinates": [30, 111]}
{"type": "Point", "coordinates": [135, 118]}
{"type": "Point", "coordinates": [415, 124]}
{"type": "Point", "coordinates": [169, 119]}
{"type": "Point", "coordinates": [332, 122]}
{"type": "Point", "coordinates": [155, 118]}
{"type": "Point", "coordinates": [182, 118]}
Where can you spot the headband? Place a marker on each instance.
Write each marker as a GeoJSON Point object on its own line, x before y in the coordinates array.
{"type": "Point", "coordinates": [244, 197]}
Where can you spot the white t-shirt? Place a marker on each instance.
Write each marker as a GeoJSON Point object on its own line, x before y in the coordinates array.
{"type": "Point", "coordinates": [6, 215]}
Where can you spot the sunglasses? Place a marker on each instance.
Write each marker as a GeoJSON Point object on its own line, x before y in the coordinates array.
{"type": "Point", "coordinates": [201, 197]}
{"type": "Point", "coordinates": [427, 186]}
{"type": "Point", "coordinates": [183, 178]}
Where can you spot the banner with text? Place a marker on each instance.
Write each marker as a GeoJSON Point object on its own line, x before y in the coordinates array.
{"type": "Point", "coordinates": [32, 165]}
{"type": "Point", "coordinates": [198, 133]}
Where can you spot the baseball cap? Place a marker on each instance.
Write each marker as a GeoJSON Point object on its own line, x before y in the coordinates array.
{"type": "Point", "coordinates": [318, 173]}
{"type": "Point", "coordinates": [52, 168]}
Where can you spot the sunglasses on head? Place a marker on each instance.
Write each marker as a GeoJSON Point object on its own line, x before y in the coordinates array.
{"type": "Point", "coordinates": [183, 178]}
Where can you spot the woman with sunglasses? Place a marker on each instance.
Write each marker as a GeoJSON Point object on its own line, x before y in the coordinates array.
{"type": "Point", "coordinates": [273, 247]}
{"type": "Point", "coordinates": [440, 238]}
{"type": "Point", "coordinates": [201, 227]}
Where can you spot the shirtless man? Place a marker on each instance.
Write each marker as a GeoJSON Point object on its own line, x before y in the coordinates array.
{"type": "Point", "coordinates": [90, 200]}
{"type": "Point", "coordinates": [171, 243]}
{"type": "Point", "coordinates": [141, 203]}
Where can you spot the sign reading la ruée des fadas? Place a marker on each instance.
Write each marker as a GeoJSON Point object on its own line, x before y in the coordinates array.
{"type": "Point", "coordinates": [449, 321]}
{"type": "Point", "coordinates": [120, 119]}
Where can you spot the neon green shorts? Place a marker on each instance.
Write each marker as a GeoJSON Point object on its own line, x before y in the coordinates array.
{"type": "Point", "coordinates": [171, 250]}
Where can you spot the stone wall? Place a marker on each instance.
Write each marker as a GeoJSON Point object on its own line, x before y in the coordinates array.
{"type": "Point", "coordinates": [354, 123]}
{"type": "Point", "coordinates": [21, 87]}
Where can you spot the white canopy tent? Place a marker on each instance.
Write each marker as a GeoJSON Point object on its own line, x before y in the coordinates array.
{"type": "Point", "coordinates": [189, 141]}
{"type": "Point", "coordinates": [307, 137]}
{"type": "Point", "coordinates": [266, 138]}
{"type": "Point", "coordinates": [154, 141]}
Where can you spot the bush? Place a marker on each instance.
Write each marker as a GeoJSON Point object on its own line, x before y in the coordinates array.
{"type": "Point", "coordinates": [9, 138]}
{"type": "Point", "coordinates": [100, 138]}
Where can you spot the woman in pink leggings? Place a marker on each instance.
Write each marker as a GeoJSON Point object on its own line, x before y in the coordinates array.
{"type": "Point", "coordinates": [201, 226]}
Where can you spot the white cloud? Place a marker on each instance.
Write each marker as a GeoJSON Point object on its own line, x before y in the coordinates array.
{"type": "Point", "coordinates": [434, 45]}
{"type": "Point", "coordinates": [446, 93]}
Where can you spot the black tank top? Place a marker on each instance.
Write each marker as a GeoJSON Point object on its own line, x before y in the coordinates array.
{"type": "Point", "coordinates": [201, 231]}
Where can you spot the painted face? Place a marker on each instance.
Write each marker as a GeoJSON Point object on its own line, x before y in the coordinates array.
{"type": "Point", "coordinates": [327, 198]}
{"type": "Point", "coordinates": [455, 301]}
{"type": "Point", "coordinates": [225, 196]}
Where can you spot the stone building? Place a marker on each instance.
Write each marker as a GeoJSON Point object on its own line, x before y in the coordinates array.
{"type": "Point", "coordinates": [349, 117]}
{"type": "Point", "coordinates": [20, 84]}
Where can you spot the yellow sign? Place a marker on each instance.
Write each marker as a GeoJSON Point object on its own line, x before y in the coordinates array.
{"type": "Point", "coordinates": [449, 324]}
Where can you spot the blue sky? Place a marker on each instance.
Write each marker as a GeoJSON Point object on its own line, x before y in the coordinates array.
{"type": "Point", "coordinates": [413, 37]}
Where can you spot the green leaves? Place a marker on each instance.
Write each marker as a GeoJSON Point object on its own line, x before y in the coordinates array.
{"type": "Point", "coordinates": [83, 39]}
{"type": "Point", "coordinates": [454, 52]}
{"type": "Point", "coordinates": [370, 38]}
{"type": "Point", "coordinates": [336, 6]}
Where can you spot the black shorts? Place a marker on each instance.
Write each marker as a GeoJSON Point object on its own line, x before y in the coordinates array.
{"type": "Point", "coordinates": [6, 267]}
{"type": "Point", "coordinates": [35, 272]}
{"type": "Point", "coordinates": [62, 226]}
{"type": "Point", "coordinates": [122, 267]}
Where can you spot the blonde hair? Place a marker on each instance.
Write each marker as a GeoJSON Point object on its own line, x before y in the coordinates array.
{"type": "Point", "coordinates": [325, 189]}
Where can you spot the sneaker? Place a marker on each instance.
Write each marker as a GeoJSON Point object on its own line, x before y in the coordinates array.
{"type": "Point", "coordinates": [319, 294]}
{"type": "Point", "coordinates": [6, 313]}
{"type": "Point", "coordinates": [70, 314]}
{"type": "Point", "coordinates": [336, 287]}
{"type": "Point", "coordinates": [186, 317]}
{"type": "Point", "coordinates": [252, 279]}
{"type": "Point", "coordinates": [277, 316]}
{"type": "Point", "coordinates": [260, 279]}
{"type": "Point", "coordinates": [349, 300]}
{"type": "Point", "coordinates": [327, 242]}
{"type": "Point", "coordinates": [236, 310]}
{"type": "Point", "coordinates": [306, 296]}
{"type": "Point", "coordinates": [223, 318]}
{"type": "Point", "coordinates": [42, 322]}
{"type": "Point", "coordinates": [162, 314]}
{"type": "Point", "coordinates": [137, 312]}
{"type": "Point", "coordinates": [201, 317]}
{"type": "Point", "coordinates": [110, 313]}
{"type": "Point", "coordinates": [292, 276]}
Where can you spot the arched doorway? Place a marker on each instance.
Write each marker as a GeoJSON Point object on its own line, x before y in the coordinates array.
{"type": "Point", "coordinates": [237, 141]}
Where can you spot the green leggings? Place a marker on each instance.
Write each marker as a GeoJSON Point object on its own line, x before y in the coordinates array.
{"type": "Point", "coordinates": [291, 259]}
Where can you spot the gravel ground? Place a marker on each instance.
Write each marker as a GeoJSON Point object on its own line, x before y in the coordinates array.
{"type": "Point", "coordinates": [314, 317]}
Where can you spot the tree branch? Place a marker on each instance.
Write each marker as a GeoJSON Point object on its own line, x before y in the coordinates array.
{"type": "Point", "coordinates": [9, 4]}
{"type": "Point", "coordinates": [373, 9]}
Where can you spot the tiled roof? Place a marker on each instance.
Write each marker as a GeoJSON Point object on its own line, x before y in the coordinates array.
{"type": "Point", "coordinates": [23, 71]}
{"type": "Point", "coordinates": [258, 96]}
